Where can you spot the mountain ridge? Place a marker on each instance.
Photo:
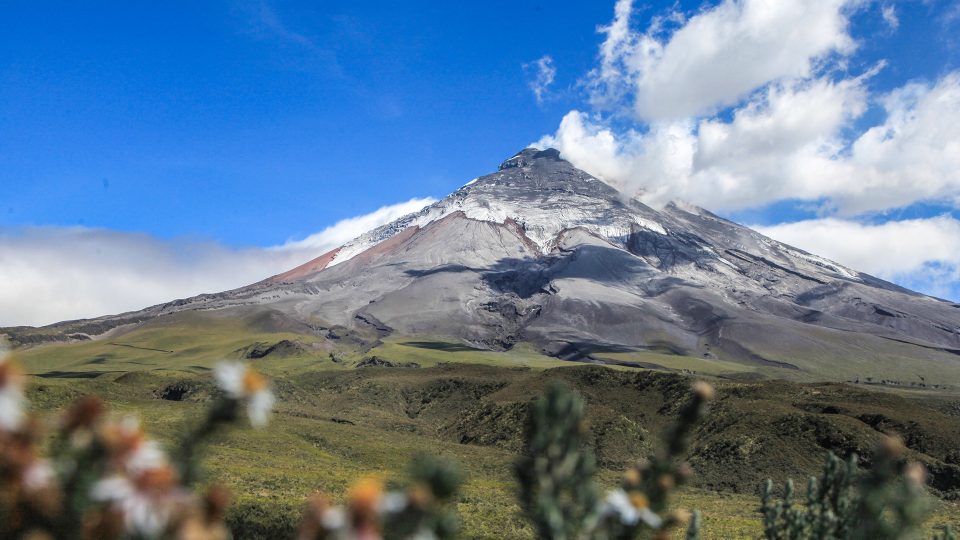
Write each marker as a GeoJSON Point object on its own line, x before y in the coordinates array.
{"type": "Point", "coordinates": [544, 253]}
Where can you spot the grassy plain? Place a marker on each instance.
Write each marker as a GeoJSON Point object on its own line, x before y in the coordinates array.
{"type": "Point", "coordinates": [335, 422]}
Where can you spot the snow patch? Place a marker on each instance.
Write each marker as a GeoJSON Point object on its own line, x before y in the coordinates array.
{"type": "Point", "coordinates": [823, 263]}
{"type": "Point", "coordinates": [556, 211]}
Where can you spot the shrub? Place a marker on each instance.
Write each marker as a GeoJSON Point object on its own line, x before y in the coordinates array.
{"type": "Point", "coordinates": [887, 502]}
{"type": "Point", "coordinates": [558, 492]}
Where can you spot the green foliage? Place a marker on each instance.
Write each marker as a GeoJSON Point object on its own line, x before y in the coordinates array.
{"type": "Point", "coordinates": [429, 509]}
{"type": "Point", "coordinates": [425, 509]}
{"type": "Point", "coordinates": [336, 424]}
{"type": "Point", "coordinates": [946, 534]}
{"type": "Point", "coordinates": [556, 475]}
{"type": "Point", "coordinates": [830, 506]}
{"type": "Point", "coordinates": [223, 411]}
{"type": "Point", "coordinates": [557, 489]}
{"type": "Point", "coordinates": [693, 530]}
{"type": "Point", "coordinates": [887, 502]}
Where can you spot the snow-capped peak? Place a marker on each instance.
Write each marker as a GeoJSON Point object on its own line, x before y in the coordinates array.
{"type": "Point", "coordinates": [539, 191]}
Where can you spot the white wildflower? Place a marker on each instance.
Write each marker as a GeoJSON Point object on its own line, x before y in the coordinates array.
{"type": "Point", "coordinates": [111, 489]}
{"type": "Point", "coordinates": [145, 488]}
{"type": "Point", "coordinates": [145, 457]}
{"type": "Point", "coordinates": [125, 440]}
{"type": "Point", "coordinates": [333, 519]}
{"type": "Point", "coordinates": [148, 502]}
{"type": "Point", "coordinates": [650, 518]}
{"type": "Point", "coordinates": [229, 376]}
{"type": "Point", "coordinates": [38, 476]}
{"type": "Point", "coordinates": [243, 383]}
{"type": "Point", "coordinates": [393, 502]}
{"type": "Point", "coordinates": [618, 504]}
{"type": "Point", "coordinates": [12, 401]}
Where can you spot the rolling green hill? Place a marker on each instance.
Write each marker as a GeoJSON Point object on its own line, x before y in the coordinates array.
{"type": "Point", "coordinates": [337, 421]}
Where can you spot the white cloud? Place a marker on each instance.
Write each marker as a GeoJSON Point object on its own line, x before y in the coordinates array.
{"type": "Point", "coordinates": [913, 156]}
{"type": "Point", "coordinates": [50, 274]}
{"type": "Point", "coordinates": [608, 83]}
{"type": "Point", "coordinates": [265, 21]}
{"type": "Point", "coordinates": [791, 137]}
{"type": "Point", "coordinates": [347, 229]}
{"type": "Point", "coordinates": [750, 102]}
{"type": "Point", "coordinates": [776, 146]}
{"type": "Point", "coordinates": [544, 74]}
{"type": "Point", "coordinates": [918, 252]}
{"type": "Point", "coordinates": [889, 13]}
{"type": "Point", "coordinates": [717, 57]}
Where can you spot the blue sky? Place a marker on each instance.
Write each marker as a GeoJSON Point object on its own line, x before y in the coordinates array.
{"type": "Point", "coordinates": [255, 122]}
{"type": "Point", "coordinates": [168, 141]}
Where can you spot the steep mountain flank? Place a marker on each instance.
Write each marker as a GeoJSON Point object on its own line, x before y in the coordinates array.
{"type": "Point", "coordinates": [543, 253]}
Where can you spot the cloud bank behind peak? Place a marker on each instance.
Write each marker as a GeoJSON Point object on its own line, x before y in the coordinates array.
{"type": "Point", "coordinates": [791, 112]}
{"type": "Point", "coordinates": [50, 274]}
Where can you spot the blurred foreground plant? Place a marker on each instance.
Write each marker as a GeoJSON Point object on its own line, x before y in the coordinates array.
{"type": "Point", "coordinates": [105, 478]}
{"type": "Point", "coordinates": [423, 511]}
{"type": "Point", "coordinates": [558, 492]}
{"type": "Point", "coordinates": [887, 502]}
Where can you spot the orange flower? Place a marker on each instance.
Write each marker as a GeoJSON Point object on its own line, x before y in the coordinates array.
{"type": "Point", "coordinates": [157, 479]}
{"type": "Point", "coordinates": [639, 501]}
{"type": "Point", "coordinates": [703, 390]}
{"type": "Point", "coordinates": [149, 502]}
{"type": "Point", "coordinates": [364, 503]}
{"type": "Point", "coordinates": [122, 439]}
{"type": "Point", "coordinates": [253, 382]}
{"type": "Point", "coordinates": [215, 503]}
{"type": "Point", "coordinates": [630, 509]}
{"type": "Point", "coordinates": [419, 496]}
{"type": "Point", "coordinates": [632, 477]}
{"type": "Point", "coordinates": [916, 474]}
{"type": "Point", "coordinates": [365, 494]}
{"type": "Point", "coordinates": [206, 523]}
{"type": "Point", "coordinates": [243, 383]}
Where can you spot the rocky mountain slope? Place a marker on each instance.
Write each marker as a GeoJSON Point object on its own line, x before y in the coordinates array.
{"type": "Point", "coordinates": [541, 252]}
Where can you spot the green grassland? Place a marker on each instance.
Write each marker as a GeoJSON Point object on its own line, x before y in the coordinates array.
{"type": "Point", "coordinates": [187, 342]}
{"type": "Point", "coordinates": [336, 422]}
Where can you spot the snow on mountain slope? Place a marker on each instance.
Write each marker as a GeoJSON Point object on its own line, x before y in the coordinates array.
{"type": "Point", "coordinates": [543, 253]}
{"type": "Point", "coordinates": [542, 205]}
{"type": "Point", "coordinates": [569, 263]}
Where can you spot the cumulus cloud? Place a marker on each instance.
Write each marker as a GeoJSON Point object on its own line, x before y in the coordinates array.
{"type": "Point", "coordinates": [777, 145]}
{"type": "Point", "coordinates": [788, 132]}
{"type": "Point", "coordinates": [749, 102]}
{"type": "Point", "coordinates": [922, 253]}
{"type": "Point", "coordinates": [914, 155]}
{"type": "Point", "coordinates": [50, 274]}
{"type": "Point", "coordinates": [716, 57]}
{"type": "Point", "coordinates": [544, 73]}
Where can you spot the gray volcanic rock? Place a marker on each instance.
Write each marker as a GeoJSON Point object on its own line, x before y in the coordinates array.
{"type": "Point", "coordinates": [542, 252]}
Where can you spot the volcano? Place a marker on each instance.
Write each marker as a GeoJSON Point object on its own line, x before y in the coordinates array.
{"type": "Point", "coordinates": [543, 254]}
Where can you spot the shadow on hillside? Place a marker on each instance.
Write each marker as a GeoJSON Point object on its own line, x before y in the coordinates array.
{"type": "Point", "coordinates": [73, 374]}
{"type": "Point", "coordinates": [440, 346]}
{"type": "Point", "coordinates": [583, 351]}
{"type": "Point", "coordinates": [604, 265]}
